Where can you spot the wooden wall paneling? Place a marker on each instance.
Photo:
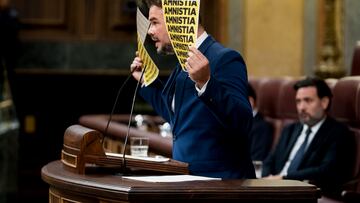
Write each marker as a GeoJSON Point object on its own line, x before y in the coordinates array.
{"type": "Point", "coordinates": [42, 12]}
{"type": "Point", "coordinates": [45, 19]}
{"type": "Point", "coordinates": [100, 19]}
{"type": "Point", "coordinates": [121, 19]}
{"type": "Point", "coordinates": [91, 18]}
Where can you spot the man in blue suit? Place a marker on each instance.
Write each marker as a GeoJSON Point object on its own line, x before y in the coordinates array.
{"type": "Point", "coordinates": [207, 106]}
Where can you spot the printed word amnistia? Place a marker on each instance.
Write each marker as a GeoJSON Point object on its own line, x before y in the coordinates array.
{"type": "Point", "coordinates": [180, 3]}
{"type": "Point", "coordinates": [182, 38]}
{"type": "Point", "coordinates": [180, 11]}
{"type": "Point", "coordinates": [181, 29]}
{"type": "Point", "coordinates": [180, 20]}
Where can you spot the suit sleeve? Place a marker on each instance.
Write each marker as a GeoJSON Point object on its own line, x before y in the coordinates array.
{"type": "Point", "coordinates": [226, 92]}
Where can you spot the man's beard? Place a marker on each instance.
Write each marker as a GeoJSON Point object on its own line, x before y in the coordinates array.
{"type": "Point", "coordinates": [311, 120]}
{"type": "Point", "coordinates": [166, 50]}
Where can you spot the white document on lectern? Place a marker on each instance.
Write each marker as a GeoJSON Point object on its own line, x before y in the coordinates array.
{"type": "Point", "coordinates": [153, 159]}
{"type": "Point", "coordinates": [170, 178]}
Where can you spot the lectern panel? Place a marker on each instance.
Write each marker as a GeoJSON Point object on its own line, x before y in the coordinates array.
{"type": "Point", "coordinates": [112, 188]}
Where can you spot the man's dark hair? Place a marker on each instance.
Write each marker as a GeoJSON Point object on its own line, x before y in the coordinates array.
{"type": "Point", "coordinates": [157, 3]}
{"type": "Point", "coordinates": [150, 3]}
{"type": "Point", "coordinates": [251, 92]}
{"type": "Point", "coordinates": [323, 90]}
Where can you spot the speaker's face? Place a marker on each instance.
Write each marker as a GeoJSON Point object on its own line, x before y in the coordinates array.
{"type": "Point", "coordinates": [158, 32]}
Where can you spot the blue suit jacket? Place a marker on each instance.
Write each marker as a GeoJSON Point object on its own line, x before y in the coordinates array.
{"type": "Point", "coordinates": [210, 132]}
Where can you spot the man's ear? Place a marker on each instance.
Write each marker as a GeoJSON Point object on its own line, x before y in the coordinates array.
{"type": "Point", "coordinates": [325, 102]}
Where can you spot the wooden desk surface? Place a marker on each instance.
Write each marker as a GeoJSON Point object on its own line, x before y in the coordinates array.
{"type": "Point", "coordinates": [114, 188]}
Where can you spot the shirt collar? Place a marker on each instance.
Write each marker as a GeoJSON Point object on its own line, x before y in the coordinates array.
{"type": "Point", "coordinates": [315, 127]}
{"type": "Point", "coordinates": [201, 39]}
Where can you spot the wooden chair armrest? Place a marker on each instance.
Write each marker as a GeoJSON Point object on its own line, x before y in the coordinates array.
{"type": "Point", "coordinates": [351, 196]}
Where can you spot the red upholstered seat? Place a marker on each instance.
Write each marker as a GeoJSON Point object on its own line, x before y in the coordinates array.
{"type": "Point", "coordinates": [346, 108]}
{"type": "Point", "coordinates": [344, 102]}
{"type": "Point", "coordinates": [286, 104]}
{"type": "Point", "coordinates": [268, 100]}
{"type": "Point", "coordinates": [268, 96]}
{"type": "Point", "coordinates": [351, 192]}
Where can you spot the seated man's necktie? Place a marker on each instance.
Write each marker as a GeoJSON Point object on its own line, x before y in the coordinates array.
{"type": "Point", "coordinates": [300, 153]}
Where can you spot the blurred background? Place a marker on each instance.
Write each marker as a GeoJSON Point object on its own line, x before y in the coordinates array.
{"type": "Point", "coordinates": [61, 59]}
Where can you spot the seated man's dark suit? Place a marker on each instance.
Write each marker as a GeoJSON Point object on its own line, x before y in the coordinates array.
{"type": "Point", "coordinates": [327, 161]}
{"type": "Point", "coordinates": [261, 138]}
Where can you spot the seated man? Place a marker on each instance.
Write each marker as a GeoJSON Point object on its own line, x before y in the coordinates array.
{"type": "Point", "coordinates": [261, 134]}
{"type": "Point", "coordinates": [318, 148]}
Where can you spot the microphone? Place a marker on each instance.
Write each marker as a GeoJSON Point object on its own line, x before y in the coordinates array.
{"type": "Point", "coordinates": [115, 103]}
{"type": "Point", "coordinates": [113, 109]}
{"type": "Point", "coordinates": [131, 113]}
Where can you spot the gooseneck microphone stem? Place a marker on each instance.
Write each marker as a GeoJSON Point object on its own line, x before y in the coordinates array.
{"type": "Point", "coordinates": [115, 103]}
{"type": "Point", "coordinates": [130, 119]}
{"type": "Point", "coordinates": [113, 109]}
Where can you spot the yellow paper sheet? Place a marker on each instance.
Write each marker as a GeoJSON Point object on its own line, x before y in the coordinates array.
{"type": "Point", "coordinates": [182, 19]}
{"type": "Point", "coordinates": [151, 70]}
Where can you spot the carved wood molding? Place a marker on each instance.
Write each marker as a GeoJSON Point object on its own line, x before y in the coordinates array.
{"type": "Point", "coordinates": [43, 12]}
{"type": "Point", "coordinates": [330, 39]}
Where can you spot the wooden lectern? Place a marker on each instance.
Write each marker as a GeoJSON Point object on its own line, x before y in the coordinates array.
{"type": "Point", "coordinates": [83, 149]}
{"type": "Point", "coordinates": [71, 180]}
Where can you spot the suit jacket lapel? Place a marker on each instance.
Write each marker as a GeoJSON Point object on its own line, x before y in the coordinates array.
{"type": "Point", "coordinates": [294, 136]}
{"type": "Point", "coordinates": [206, 44]}
{"type": "Point", "coordinates": [318, 138]}
{"type": "Point", "coordinates": [169, 89]}
{"type": "Point", "coordinates": [180, 89]}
